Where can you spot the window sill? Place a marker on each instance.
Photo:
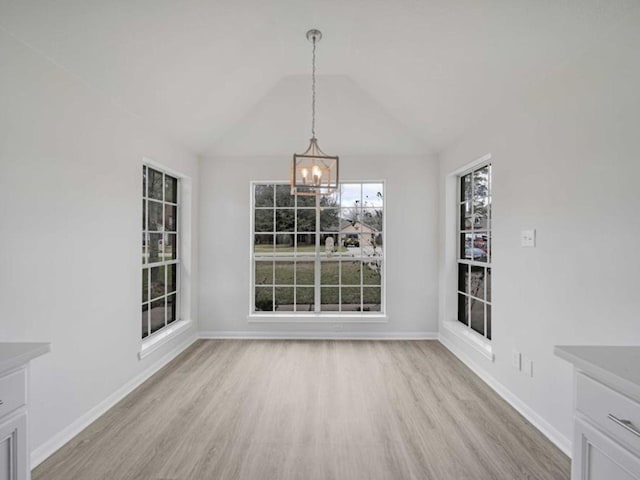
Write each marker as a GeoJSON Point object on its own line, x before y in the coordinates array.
{"type": "Point", "coordinates": [157, 340]}
{"type": "Point", "coordinates": [472, 339]}
{"type": "Point", "coordinates": [317, 318]}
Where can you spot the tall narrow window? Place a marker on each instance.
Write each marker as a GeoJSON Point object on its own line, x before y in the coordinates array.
{"type": "Point", "coordinates": [474, 254]}
{"type": "Point", "coordinates": [318, 254]}
{"type": "Point", "coordinates": [160, 259]}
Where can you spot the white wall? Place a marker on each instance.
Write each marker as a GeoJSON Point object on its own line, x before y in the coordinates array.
{"type": "Point", "coordinates": [411, 243]}
{"type": "Point", "coordinates": [70, 208]}
{"type": "Point", "coordinates": [373, 145]}
{"type": "Point", "coordinates": [565, 163]}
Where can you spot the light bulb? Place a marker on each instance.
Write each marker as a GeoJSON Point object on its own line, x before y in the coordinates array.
{"type": "Point", "coordinates": [317, 174]}
{"type": "Point", "coordinates": [305, 173]}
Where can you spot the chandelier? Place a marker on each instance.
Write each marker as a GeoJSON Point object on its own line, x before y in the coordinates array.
{"type": "Point", "coordinates": [314, 172]}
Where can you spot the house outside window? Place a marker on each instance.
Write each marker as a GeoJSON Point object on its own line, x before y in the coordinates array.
{"type": "Point", "coordinates": [160, 250]}
{"type": "Point", "coordinates": [318, 255]}
{"type": "Point", "coordinates": [474, 250]}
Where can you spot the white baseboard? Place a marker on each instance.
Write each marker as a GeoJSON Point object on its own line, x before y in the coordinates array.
{"type": "Point", "coordinates": [559, 440]}
{"type": "Point", "coordinates": [41, 453]}
{"type": "Point", "coordinates": [321, 335]}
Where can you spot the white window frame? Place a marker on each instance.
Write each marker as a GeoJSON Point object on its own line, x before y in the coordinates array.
{"type": "Point", "coordinates": [449, 288]}
{"type": "Point", "coordinates": [317, 315]}
{"type": "Point", "coordinates": [154, 341]}
{"type": "Point", "coordinates": [470, 262]}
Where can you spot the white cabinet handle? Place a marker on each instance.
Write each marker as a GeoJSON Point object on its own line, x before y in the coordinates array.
{"type": "Point", "coordinates": [626, 424]}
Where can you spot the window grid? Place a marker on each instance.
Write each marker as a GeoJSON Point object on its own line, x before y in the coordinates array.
{"type": "Point", "coordinates": [160, 307]}
{"type": "Point", "coordinates": [474, 249]}
{"type": "Point", "coordinates": [317, 256]}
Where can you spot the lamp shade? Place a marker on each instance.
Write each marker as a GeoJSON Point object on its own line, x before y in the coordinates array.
{"type": "Point", "coordinates": [314, 172]}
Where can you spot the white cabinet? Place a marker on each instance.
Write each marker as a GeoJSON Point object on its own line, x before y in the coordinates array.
{"type": "Point", "coordinates": [13, 425]}
{"type": "Point", "coordinates": [597, 456]}
{"type": "Point", "coordinates": [14, 445]}
{"type": "Point", "coordinates": [606, 438]}
{"type": "Point", "coordinates": [13, 448]}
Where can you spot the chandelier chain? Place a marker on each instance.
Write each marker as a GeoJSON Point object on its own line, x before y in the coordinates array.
{"type": "Point", "coordinates": [313, 90]}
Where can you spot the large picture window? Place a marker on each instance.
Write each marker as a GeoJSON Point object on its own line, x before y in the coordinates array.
{"type": "Point", "coordinates": [318, 254]}
{"type": "Point", "coordinates": [474, 253]}
{"type": "Point", "coordinates": [160, 259]}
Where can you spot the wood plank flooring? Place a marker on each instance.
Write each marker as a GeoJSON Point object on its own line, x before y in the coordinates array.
{"type": "Point", "coordinates": [334, 410]}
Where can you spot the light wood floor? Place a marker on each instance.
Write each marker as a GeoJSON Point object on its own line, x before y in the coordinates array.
{"type": "Point", "coordinates": [343, 410]}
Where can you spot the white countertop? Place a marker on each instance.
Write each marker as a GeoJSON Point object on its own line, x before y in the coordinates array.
{"type": "Point", "coordinates": [15, 354]}
{"type": "Point", "coordinates": [616, 366]}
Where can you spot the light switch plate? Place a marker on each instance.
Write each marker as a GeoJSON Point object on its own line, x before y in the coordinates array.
{"type": "Point", "coordinates": [528, 238]}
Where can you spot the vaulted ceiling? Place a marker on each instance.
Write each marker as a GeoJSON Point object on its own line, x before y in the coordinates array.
{"type": "Point", "coordinates": [201, 69]}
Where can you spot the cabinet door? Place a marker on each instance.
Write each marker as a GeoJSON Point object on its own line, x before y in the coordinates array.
{"type": "Point", "coordinates": [13, 448]}
{"type": "Point", "coordinates": [5, 458]}
{"type": "Point", "coordinates": [598, 457]}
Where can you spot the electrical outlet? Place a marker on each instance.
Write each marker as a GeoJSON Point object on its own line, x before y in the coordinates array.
{"type": "Point", "coordinates": [527, 366]}
{"type": "Point", "coordinates": [515, 360]}
{"type": "Point", "coordinates": [528, 238]}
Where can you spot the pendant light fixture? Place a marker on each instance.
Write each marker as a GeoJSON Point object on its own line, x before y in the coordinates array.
{"type": "Point", "coordinates": [313, 172]}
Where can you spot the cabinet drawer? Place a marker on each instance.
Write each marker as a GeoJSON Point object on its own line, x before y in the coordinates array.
{"type": "Point", "coordinates": [12, 391]}
{"type": "Point", "coordinates": [607, 408]}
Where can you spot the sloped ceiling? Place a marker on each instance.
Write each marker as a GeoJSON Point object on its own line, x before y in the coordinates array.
{"type": "Point", "coordinates": [349, 122]}
{"type": "Point", "coordinates": [211, 73]}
